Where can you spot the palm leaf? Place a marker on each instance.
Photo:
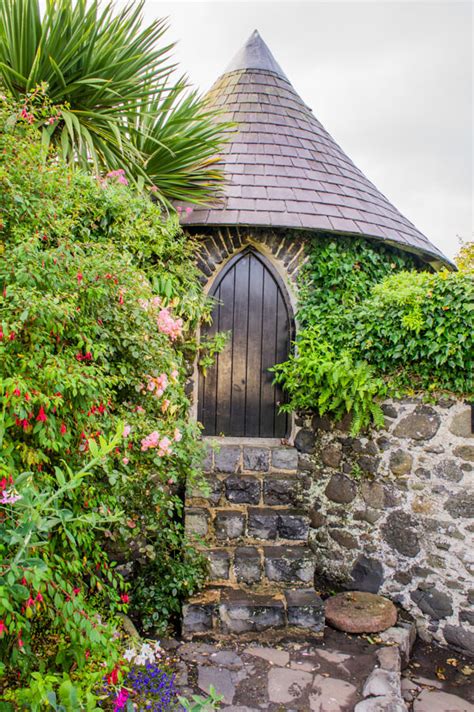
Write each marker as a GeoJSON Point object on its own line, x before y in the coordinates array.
{"type": "Point", "coordinates": [113, 78]}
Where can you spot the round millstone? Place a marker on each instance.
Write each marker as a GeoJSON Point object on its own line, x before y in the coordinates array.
{"type": "Point", "coordinates": [360, 612]}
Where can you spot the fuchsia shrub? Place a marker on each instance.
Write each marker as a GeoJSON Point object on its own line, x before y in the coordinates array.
{"type": "Point", "coordinates": [99, 302]}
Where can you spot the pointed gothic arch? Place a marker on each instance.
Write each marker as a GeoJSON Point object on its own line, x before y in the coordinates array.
{"type": "Point", "coordinates": [237, 398]}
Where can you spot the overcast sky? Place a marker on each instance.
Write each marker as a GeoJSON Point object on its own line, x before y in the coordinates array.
{"type": "Point", "coordinates": [390, 81]}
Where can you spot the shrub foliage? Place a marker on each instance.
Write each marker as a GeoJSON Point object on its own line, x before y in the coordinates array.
{"type": "Point", "coordinates": [99, 301]}
{"type": "Point", "coordinates": [374, 323]}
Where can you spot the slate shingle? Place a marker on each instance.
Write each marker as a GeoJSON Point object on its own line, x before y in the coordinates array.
{"type": "Point", "coordinates": [280, 153]}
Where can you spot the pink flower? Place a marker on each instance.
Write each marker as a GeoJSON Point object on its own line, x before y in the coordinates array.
{"type": "Point", "coordinates": [9, 497]}
{"type": "Point", "coordinates": [125, 460]}
{"type": "Point", "coordinates": [151, 441]}
{"type": "Point", "coordinates": [139, 409]}
{"type": "Point", "coordinates": [121, 700]}
{"type": "Point", "coordinates": [3, 628]}
{"type": "Point", "coordinates": [80, 277]}
{"type": "Point", "coordinates": [177, 435]}
{"type": "Point", "coordinates": [164, 447]}
{"type": "Point", "coordinates": [189, 211]}
{"type": "Point", "coordinates": [119, 176]}
{"type": "Point", "coordinates": [174, 375]}
{"type": "Point", "coordinates": [62, 429]}
{"type": "Point", "coordinates": [39, 598]}
{"type": "Point", "coordinates": [167, 325]}
{"type": "Point", "coordinates": [126, 431]}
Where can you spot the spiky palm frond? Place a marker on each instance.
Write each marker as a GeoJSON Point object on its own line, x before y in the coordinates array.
{"type": "Point", "coordinates": [103, 68]}
{"type": "Point", "coordinates": [179, 138]}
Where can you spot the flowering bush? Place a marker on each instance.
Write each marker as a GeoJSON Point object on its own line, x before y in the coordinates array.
{"type": "Point", "coordinates": [99, 301]}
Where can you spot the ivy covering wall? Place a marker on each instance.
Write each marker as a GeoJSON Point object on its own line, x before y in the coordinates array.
{"type": "Point", "coordinates": [375, 321]}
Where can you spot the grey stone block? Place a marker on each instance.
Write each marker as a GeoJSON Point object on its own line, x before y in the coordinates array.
{"type": "Point", "coordinates": [256, 459]}
{"type": "Point", "coordinates": [197, 618]}
{"type": "Point", "coordinates": [247, 565]}
{"type": "Point", "coordinates": [305, 609]}
{"type": "Point", "coordinates": [213, 493]}
{"type": "Point", "coordinates": [290, 564]}
{"type": "Point", "coordinates": [227, 459]}
{"type": "Point", "coordinates": [208, 461]}
{"type": "Point", "coordinates": [241, 613]}
{"type": "Point", "coordinates": [197, 522]}
{"type": "Point", "coordinates": [293, 524]}
{"type": "Point", "coordinates": [229, 524]}
{"type": "Point", "coordinates": [262, 523]}
{"type": "Point", "coordinates": [280, 489]}
{"type": "Point", "coordinates": [219, 563]}
{"type": "Point", "coordinates": [284, 458]}
{"type": "Point", "coordinates": [243, 489]}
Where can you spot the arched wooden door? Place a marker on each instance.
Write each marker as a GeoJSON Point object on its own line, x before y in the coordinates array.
{"type": "Point", "coordinates": [237, 398]}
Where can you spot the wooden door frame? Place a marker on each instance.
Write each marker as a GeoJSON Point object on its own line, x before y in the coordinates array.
{"type": "Point", "coordinates": [288, 291]}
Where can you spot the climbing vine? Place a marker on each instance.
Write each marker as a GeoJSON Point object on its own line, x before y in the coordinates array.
{"type": "Point", "coordinates": [374, 321]}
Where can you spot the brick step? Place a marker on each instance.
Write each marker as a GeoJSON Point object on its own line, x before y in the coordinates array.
{"type": "Point", "coordinates": [271, 565]}
{"type": "Point", "coordinates": [221, 612]}
{"type": "Point", "coordinates": [265, 489]}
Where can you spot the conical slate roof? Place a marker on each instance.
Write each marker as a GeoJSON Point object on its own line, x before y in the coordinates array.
{"type": "Point", "coordinates": [283, 169]}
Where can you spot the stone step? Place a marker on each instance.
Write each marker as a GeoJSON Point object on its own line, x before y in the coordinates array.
{"type": "Point", "coordinates": [265, 489]}
{"type": "Point", "coordinates": [233, 458]}
{"type": "Point", "coordinates": [246, 525]}
{"type": "Point", "coordinates": [221, 612]}
{"type": "Point", "coordinates": [270, 565]}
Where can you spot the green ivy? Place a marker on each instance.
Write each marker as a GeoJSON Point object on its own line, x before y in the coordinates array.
{"type": "Point", "coordinates": [375, 321]}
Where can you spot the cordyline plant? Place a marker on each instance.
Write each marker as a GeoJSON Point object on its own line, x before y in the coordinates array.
{"type": "Point", "coordinates": [113, 81]}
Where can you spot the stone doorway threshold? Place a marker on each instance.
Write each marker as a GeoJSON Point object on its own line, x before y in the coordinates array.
{"type": "Point", "coordinates": [246, 442]}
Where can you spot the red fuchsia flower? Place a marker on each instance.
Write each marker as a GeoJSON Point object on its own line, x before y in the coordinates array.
{"type": "Point", "coordinates": [39, 598]}
{"type": "Point", "coordinates": [25, 114]}
{"type": "Point", "coordinates": [12, 336]}
{"type": "Point", "coordinates": [41, 417]}
{"type": "Point", "coordinates": [1, 334]}
{"type": "Point", "coordinates": [125, 598]}
{"type": "Point", "coordinates": [17, 392]}
{"type": "Point", "coordinates": [112, 677]}
{"type": "Point", "coordinates": [76, 591]}
{"type": "Point", "coordinates": [27, 396]}
{"type": "Point", "coordinates": [121, 298]}
{"type": "Point", "coordinates": [25, 424]}
{"type": "Point", "coordinates": [80, 277]}
{"type": "Point", "coordinates": [3, 628]}
{"type": "Point", "coordinates": [20, 643]}
{"type": "Point", "coordinates": [29, 602]}
{"type": "Point", "coordinates": [62, 429]}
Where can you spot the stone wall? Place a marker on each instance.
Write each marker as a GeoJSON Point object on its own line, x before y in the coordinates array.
{"type": "Point", "coordinates": [392, 511]}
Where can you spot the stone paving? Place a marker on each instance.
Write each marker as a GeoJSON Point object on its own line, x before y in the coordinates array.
{"type": "Point", "coordinates": [341, 673]}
